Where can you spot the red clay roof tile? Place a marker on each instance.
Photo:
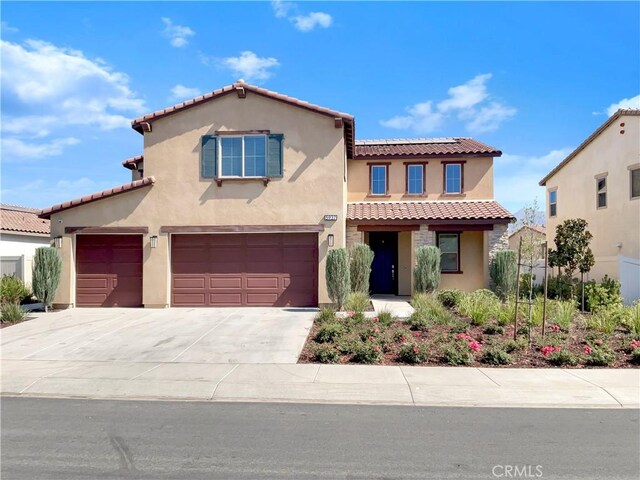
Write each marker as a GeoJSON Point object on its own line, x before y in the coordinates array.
{"type": "Point", "coordinates": [422, 147]}
{"type": "Point", "coordinates": [130, 163]}
{"type": "Point", "coordinates": [127, 187]}
{"type": "Point", "coordinates": [22, 220]}
{"type": "Point", "coordinates": [429, 210]}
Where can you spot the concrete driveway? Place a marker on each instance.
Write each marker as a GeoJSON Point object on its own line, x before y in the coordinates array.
{"type": "Point", "coordinates": [186, 335]}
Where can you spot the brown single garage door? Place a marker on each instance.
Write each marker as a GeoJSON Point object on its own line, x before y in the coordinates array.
{"type": "Point", "coordinates": [109, 270]}
{"type": "Point", "coordinates": [254, 269]}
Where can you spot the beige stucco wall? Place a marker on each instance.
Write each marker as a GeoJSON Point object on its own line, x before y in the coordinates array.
{"type": "Point", "coordinates": [472, 264]}
{"type": "Point", "coordinates": [405, 263]}
{"type": "Point", "coordinates": [527, 234]}
{"type": "Point", "coordinates": [313, 185]}
{"type": "Point", "coordinates": [478, 180]}
{"type": "Point", "coordinates": [610, 153]}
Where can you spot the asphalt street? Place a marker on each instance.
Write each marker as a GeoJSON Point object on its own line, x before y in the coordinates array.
{"type": "Point", "coordinates": [96, 439]}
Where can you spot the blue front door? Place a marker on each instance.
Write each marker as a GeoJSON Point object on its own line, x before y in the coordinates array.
{"type": "Point", "coordinates": [385, 262]}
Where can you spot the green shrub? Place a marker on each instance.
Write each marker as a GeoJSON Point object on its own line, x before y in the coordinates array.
{"type": "Point", "coordinates": [496, 356]}
{"type": "Point", "coordinates": [12, 290]}
{"type": "Point", "coordinates": [459, 326]}
{"type": "Point", "coordinates": [325, 315]}
{"type": "Point", "coordinates": [562, 312]}
{"type": "Point", "coordinates": [631, 319]}
{"type": "Point", "coordinates": [635, 356]}
{"type": "Point", "coordinates": [329, 331]}
{"type": "Point", "coordinates": [360, 260]}
{"type": "Point", "coordinates": [492, 329]}
{"type": "Point", "coordinates": [479, 306]}
{"type": "Point", "coordinates": [457, 353]}
{"type": "Point", "coordinates": [504, 314]}
{"type": "Point", "coordinates": [429, 306]}
{"type": "Point", "coordinates": [602, 295]}
{"type": "Point", "coordinates": [562, 357]}
{"type": "Point", "coordinates": [11, 313]}
{"type": "Point", "coordinates": [326, 353]}
{"type": "Point", "coordinates": [418, 320]}
{"type": "Point", "coordinates": [525, 286]}
{"type": "Point", "coordinates": [559, 287]}
{"type": "Point", "coordinates": [47, 267]}
{"type": "Point", "coordinates": [600, 356]}
{"type": "Point", "coordinates": [503, 273]}
{"type": "Point", "coordinates": [449, 297]}
{"type": "Point", "coordinates": [386, 318]}
{"type": "Point", "coordinates": [606, 320]}
{"type": "Point", "coordinates": [337, 276]}
{"type": "Point", "coordinates": [357, 302]}
{"type": "Point", "coordinates": [512, 346]}
{"type": "Point", "coordinates": [412, 352]}
{"type": "Point", "coordinates": [367, 352]}
{"type": "Point", "coordinates": [401, 335]}
{"type": "Point", "coordinates": [426, 273]}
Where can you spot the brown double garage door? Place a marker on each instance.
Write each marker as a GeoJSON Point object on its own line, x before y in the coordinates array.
{"type": "Point", "coordinates": [254, 269]}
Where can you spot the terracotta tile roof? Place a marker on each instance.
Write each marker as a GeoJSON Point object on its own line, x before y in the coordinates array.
{"type": "Point", "coordinates": [429, 210]}
{"type": "Point", "coordinates": [127, 187]}
{"type": "Point", "coordinates": [541, 229]}
{"type": "Point", "coordinates": [131, 163]}
{"type": "Point", "coordinates": [423, 147]}
{"type": "Point", "coordinates": [22, 219]}
{"type": "Point", "coordinates": [621, 112]}
{"type": "Point", "coordinates": [241, 88]}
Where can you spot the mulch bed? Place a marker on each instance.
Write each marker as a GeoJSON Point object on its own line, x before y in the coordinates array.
{"type": "Point", "coordinates": [529, 357]}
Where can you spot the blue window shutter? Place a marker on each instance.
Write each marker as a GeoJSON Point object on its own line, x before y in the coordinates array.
{"type": "Point", "coordinates": [274, 155]}
{"type": "Point", "coordinates": [209, 158]}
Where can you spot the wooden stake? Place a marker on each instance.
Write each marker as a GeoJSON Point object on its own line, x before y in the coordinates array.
{"type": "Point", "coordinates": [515, 314]}
{"type": "Point", "coordinates": [544, 301]}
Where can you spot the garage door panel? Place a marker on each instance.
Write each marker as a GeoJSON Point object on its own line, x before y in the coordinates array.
{"type": "Point", "coordinates": [248, 269]}
{"type": "Point", "coordinates": [109, 270]}
{"type": "Point", "coordinates": [188, 282]}
{"type": "Point", "coordinates": [189, 299]}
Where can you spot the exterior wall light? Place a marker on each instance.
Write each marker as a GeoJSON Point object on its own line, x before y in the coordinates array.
{"type": "Point", "coordinates": [57, 242]}
{"type": "Point", "coordinates": [330, 239]}
{"type": "Point", "coordinates": [154, 241]}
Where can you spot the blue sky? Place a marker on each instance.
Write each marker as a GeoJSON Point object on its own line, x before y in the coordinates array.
{"type": "Point", "coordinates": [533, 79]}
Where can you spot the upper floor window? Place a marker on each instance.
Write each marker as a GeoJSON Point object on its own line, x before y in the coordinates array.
{"type": "Point", "coordinates": [249, 155]}
{"type": "Point", "coordinates": [553, 203]}
{"type": "Point", "coordinates": [243, 156]}
{"type": "Point", "coordinates": [635, 182]}
{"type": "Point", "coordinates": [379, 177]}
{"type": "Point", "coordinates": [453, 178]}
{"type": "Point", "coordinates": [601, 192]}
{"type": "Point", "coordinates": [415, 179]}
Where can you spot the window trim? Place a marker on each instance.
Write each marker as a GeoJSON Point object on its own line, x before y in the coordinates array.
{"type": "Point", "coordinates": [458, 235]}
{"type": "Point", "coordinates": [424, 178]}
{"type": "Point", "coordinates": [551, 190]}
{"type": "Point", "coordinates": [633, 168]}
{"type": "Point", "coordinates": [444, 176]}
{"type": "Point", "coordinates": [243, 159]}
{"type": "Point", "coordinates": [601, 176]}
{"type": "Point", "coordinates": [386, 166]}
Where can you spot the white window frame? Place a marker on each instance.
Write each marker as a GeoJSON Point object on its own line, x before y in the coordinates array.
{"type": "Point", "coordinates": [601, 191]}
{"type": "Point", "coordinates": [422, 178]}
{"type": "Point", "coordinates": [242, 175]}
{"type": "Point", "coordinates": [550, 191]}
{"type": "Point", "coordinates": [446, 176]}
{"type": "Point", "coordinates": [386, 187]}
{"type": "Point", "coordinates": [633, 168]}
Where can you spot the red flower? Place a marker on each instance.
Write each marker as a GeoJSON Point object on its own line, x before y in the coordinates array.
{"type": "Point", "coordinates": [549, 349]}
{"type": "Point", "coordinates": [416, 334]}
{"type": "Point", "coordinates": [588, 350]}
{"type": "Point", "coordinates": [376, 348]}
{"type": "Point", "coordinates": [635, 344]}
{"type": "Point", "coordinates": [371, 338]}
{"type": "Point", "coordinates": [416, 350]}
{"type": "Point", "coordinates": [376, 319]}
{"type": "Point", "coordinates": [554, 328]}
{"type": "Point", "coordinates": [475, 346]}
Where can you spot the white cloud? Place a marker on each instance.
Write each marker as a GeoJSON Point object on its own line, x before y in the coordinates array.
{"type": "Point", "coordinates": [543, 162]}
{"type": "Point", "coordinates": [5, 28]}
{"type": "Point", "coordinates": [17, 149]}
{"type": "Point", "coordinates": [46, 89]}
{"type": "Point", "coordinates": [180, 92]}
{"type": "Point", "coordinates": [306, 23]}
{"type": "Point", "coordinates": [42, 193]}
{"type": "Point", "coordinates": [249, 66]}
{"type": "Point", "coordinates": [633, 102]}
{"type": "Point", "coordinates": [302, 22]}
{"type": "Point", "coordinates": [470, 103]}
{"type": "Point", "coordinates": [178, 35]}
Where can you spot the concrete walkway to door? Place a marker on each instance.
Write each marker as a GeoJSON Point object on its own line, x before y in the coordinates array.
{"type": "Point", "coordinates": [398, 306]}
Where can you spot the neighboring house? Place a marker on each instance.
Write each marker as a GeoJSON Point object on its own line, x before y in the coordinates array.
{"type": "Point", "coordinates": [240, 194]}
{"type": "Point", "coordinates": [600, 182]}
{"type": "Point", "coordinates": [530, 233]}
{"type": "Point", "coordinates": [21, 232]}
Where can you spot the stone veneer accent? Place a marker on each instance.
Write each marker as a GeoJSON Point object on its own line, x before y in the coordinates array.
{"type": "Point", "coordinates": [354, 236]}
{"type": "Point", "coordinates": [498, 240]}
{"type": "Point", "coordinates": [423, 237]}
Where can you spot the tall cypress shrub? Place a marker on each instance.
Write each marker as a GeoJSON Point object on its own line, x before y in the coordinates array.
{"type": "Point", "coordinates": [47, 266]}
{"type": "Point", "coordinates": [337, 276]}
{"type": "Point", "coordinates": [360, 259]}
{"type": "Point", "coordinates": [426, 274]}
{"type": "Point", "coordinates": [503, 271]}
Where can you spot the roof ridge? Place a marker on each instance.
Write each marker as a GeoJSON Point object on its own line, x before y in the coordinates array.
{"type": "Point", "coordinates": [18, 208]}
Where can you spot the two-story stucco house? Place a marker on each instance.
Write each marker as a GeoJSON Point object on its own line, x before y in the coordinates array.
{"type": "Point", "coordinates": [239, 195]}
{"type": "Point", "coordinates": [600, 182]}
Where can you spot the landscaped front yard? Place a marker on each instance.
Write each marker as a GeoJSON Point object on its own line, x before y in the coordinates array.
{"type": "Point", "coordinates": [477, 329]}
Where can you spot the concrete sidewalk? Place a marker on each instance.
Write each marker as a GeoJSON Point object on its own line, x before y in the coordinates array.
{"type": "Point", "coordinates": [393, 385]}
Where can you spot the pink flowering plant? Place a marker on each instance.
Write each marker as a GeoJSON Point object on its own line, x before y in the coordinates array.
{"type": "Point", "coordinates": [413, 352]}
